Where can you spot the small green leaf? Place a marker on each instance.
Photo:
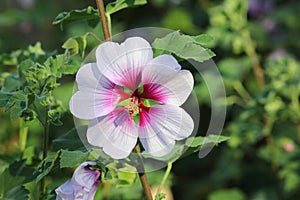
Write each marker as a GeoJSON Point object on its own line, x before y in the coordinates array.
{"type": "Point", "coordinates": [184, 46]}
{"type": "Point", "coordinates": [126, 176]}
{"type": "Point", "coordinates": [160, 196]}
{"type": "Point", "coordinates": [72, 158]}
{"type": "Point", "coordinates": [89, 14]}
{"type": "Point", "coordinates": [121, 4]}
{"type": "Point", "coordinates": [75, 45]}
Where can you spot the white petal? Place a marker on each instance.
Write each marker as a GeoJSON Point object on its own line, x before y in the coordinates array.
{"type": "Point", "coordinates": [161, 126]}
{"type": "Point", "coordinates": [89, 78]}
{"type": "Point", "coordinates": [90, 105]}
{"type": "Point", "coordinates": [166, 85]}
{"type": "Point", "coordinates": [123, 63]}
{"type": "Point", "coordinates": [116, 133]}
{"type": "Point", "coordinates": [65, 191]}
{"type": "Point", "coordinates": [165, 61]}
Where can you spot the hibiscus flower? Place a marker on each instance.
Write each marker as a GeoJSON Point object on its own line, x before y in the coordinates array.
{"type": "Point", "coordinates": [83, 185]}
{"type": "Point", "coordinates": [128, 96]}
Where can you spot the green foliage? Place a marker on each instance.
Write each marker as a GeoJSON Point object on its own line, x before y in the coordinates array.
{"type": "Point", "coordinates": [122, 4]}
{"type": "Point", "coordinates": [72, 158]}
{"type": "Point", "coordinates": [89, 15]}
{"type": "Point", "coordinates": [191, 145]}
{"type": "Point", "coordinates": [12, 180]}
{"type": "Point", "coordinates": [70, 140]}
{"type": "Point", "coordinates": [227, 194]}
{"type": "Point", "coordinates": [35, 53]}
{"type": "Point", "coordinates": [184, 46]}
{"type": "Point", "coordinates": [75, 45]}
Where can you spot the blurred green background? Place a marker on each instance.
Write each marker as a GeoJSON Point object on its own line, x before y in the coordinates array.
{"type": "Point", "coordinates": [261, 161]}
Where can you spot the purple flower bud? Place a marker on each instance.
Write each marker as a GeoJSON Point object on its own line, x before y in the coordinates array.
{"type": "Point", "coordinates": [83, 185]}
{"type": "Point", "coordinates": [258, 8]}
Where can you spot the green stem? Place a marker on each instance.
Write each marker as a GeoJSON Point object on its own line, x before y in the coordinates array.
{"type": "Point", "coordinates": [167, 173]}
{"type": "Point", "coordinates": [45, 150]}
{"type": "Point", "coordinates": [94, 36]}
{"type": "Point", "coordinates": [238, 86]}
{"type": "Point", "coordinates": [23, 133]}
{"type": "Point", "coordinates": [251, 53]}
{"type": "Point", "coordinates": [108, 22]}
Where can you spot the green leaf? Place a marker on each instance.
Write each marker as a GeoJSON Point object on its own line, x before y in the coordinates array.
{"type": "Point", "coordinates": [191, 145]}
{"type": "Point", "coordinates": [121, 4]}
{"type": "Point", "coordinates": [201, 141]}
{"type": "Point", "coordinates": [15, 193]}
{"type": "Point", "coordinates": [126, 176]}
{"type": "Point", "coordinates": [72, 158]}
{"type": "Point", "coordinates": [12, 179]}
{"type": "Point", "coordinates": [23, 68]}
{"type": "Point", "coordinates": [160, 196]}
{"type": "Point", "coordinates": [70, 140]}
{"type": "Point", "coordinates": [11, 83]}
{"type": "Point", "coordinates": [226, 194]}
{"type": "Point", "coordinates": [49, 163]}
{"type": "Point", "coordinates": [4, 98]}
{"type": "Point", "coordinates": [89, 14]}
{"type": "Point", "coordinates": [203, 39]}
{"type": "Point", "coordinates": [17, 104]}
{"type": "Point", "coordinates": [184, 46]}
{"type": "Point", "coordinates": [75, 45]}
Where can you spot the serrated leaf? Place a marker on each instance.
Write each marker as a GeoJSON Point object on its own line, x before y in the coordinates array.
{"type": "Point", "coordinates": [89, 14]}
{"type": "Point", "coordinates": [49, 163]}
{"type": "Point", "coordinates": [72, 158]}
{"type": "Point", "coordinates": [4, 98]}
{"type": "Point", "coordinates": [121, 4]}
{"type": "Point", "coordinates": [17, 104]}
{"type": "Point", "coordinates": [183, 46]}
{"type": "Point", "coordinates": [210, 139]}
{"type": "Point", "coordinates": [203, 39]}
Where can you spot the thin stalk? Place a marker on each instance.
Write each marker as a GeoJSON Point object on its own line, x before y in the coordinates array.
{"type": "Point", "coordinates": [142, 174]}
{"type": "Point", "coordinates": [103, 19]}
{"type": "Point", "coordinates": [108, 21]}
{"type": "Point", "coordinates": [167, 173]}
{"type": "Point", "coordinates": [238, 86]}
{"type": "Point", "coordinates": [45, 150]}
{"type": "Point", "coordinates": [94, 36]}
{"type": "Point", "coordinates": [23, 133]}
{"type": "Point", "coordinates": [251, 53]}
